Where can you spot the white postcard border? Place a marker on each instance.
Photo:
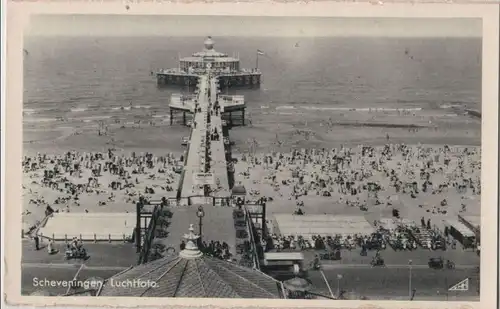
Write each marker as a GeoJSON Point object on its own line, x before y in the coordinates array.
{"type": "Point", "coordinates": [17, 18]}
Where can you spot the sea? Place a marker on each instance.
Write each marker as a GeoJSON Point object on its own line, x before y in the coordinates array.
{"type": "Point", "coordinates": [88, 79]}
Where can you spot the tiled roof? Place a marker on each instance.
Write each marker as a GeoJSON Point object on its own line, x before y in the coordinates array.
{"type": "Point", "coordinates": [200, 277]}
{"type": "Point", "coordinates": [191, 274]}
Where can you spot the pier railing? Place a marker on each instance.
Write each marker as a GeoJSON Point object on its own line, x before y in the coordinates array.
{"type": "Point", "coordinates": [149, 235]}
{"type": "Point", "coordinates": [37, 227]}
{"type": "Point", "coordinates": [253, 245]}
{"type": "Point", "coordinates": [219, 72]}
{"type": "Point", "coordinates": [210, 200]}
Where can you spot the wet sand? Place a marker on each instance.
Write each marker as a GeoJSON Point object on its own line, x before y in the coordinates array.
{"type": "Point", "coordinates": [333, 129]}
{"type": "Point", "coordinates": [59, 139]}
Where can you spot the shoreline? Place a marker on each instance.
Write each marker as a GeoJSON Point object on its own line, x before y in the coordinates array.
{"type": "Point", "coordinates": [254, 140]}
{"type": "Point", "coordinates": [260, 137]}
{"type": "Point", "coordinates": [235, 154]}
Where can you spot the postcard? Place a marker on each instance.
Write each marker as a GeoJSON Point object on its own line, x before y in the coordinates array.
{"type": "Point", "coordinates": [264, 155]}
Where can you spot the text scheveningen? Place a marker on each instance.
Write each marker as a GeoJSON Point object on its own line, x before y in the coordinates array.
{"type": "Point", "coordinates": [90, 284]}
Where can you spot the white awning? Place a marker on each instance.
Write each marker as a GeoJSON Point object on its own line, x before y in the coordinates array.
{"type": "Point", "coordinates": [283, 256]}
{"type": "Point", "coordinates": [461, 228]}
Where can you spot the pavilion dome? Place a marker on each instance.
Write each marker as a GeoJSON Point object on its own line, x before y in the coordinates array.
{"type": "Point", "coordinates": [192, 274]}
{"type": "Point", "coordinates": [209, 43]}
{"type": "Point", "coordinates": [209, 51]}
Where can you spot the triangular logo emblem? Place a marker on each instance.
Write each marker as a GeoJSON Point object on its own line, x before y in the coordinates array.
{"type": "Point", "coordinates": [461, 286]}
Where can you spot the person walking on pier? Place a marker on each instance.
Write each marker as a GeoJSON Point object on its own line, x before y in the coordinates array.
{"type": "Point", "coordinates": [50, 247]}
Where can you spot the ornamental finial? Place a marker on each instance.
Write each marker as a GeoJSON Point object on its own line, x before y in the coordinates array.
{"type": "Point", "coordinates": [191, 250]}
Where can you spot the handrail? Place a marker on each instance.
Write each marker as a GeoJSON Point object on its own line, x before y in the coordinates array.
{"type": "Point", "coordinates": [150, 235]}
{"type": "Point", "coordinates": [39, 225]}
{"type": "Point", "coordinates": [174, 199]}
{"type": "Point", "coordinates": [256, 263]}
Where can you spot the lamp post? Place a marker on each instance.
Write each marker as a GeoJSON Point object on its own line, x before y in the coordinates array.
{"type": "Point", "coordinates": [327, 284]}
{"type": "Point", "coordinates": [409, 278]}
{"type": "Point", "coordinates": [200, 214]}
{"type": "Point", "coordinates": [339, 277]}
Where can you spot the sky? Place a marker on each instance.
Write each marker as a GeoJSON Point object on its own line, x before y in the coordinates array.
{"type": "Point", "coordinates": [184, 26]}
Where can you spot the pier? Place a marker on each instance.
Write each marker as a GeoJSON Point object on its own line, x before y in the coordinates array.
{"type": "Point", "coordinates": [205, 174]}
{"type": "Point", "coordinates": [196, 161]}
{"type": "Point", "coordinates": [225, 67]}
{"type": "Point", "coordinates": [208, 174]}
{"type": "Point", "coordinates": [218, 160]}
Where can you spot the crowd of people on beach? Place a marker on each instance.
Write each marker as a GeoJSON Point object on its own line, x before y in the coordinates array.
{"type": "Point", "coordinates": [360, 177]}
{"type": "Point", "coordinates": [367, 171]}
{"type": "Point", "coordinates": [366, 177]}
{"type": "Point", "coordinates": [401, 239]}
{"type": "Point", "coordinates": [110, 177]}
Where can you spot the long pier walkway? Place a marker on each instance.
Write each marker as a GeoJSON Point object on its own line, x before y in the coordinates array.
{"type": "Point", "coordinates": [197, 147]}
{"type": "Point", "coordinates": [205, 166]}
{"type": "Point", "coordinates": [218, 164]}
{"type": "Point", "coordinates": [205, 178]}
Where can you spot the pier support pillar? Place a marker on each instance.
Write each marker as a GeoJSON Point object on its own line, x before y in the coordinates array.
{"type": "Point", "coordinates": [184, 118]}
{"type": "Point", "coordinates": [230, 119]}
{"type": "Point", "coordinates": [171, 117]}
{"type": "Point", "coordinates": [243, 116]}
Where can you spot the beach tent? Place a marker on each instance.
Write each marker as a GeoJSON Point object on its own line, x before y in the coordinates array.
{"type": "Point", "coordinates": [461, 232]}
{"type": "Point", "coordinates": [473, 223]}
{"type": "Point", "coordinates": [239, 190]}
{"type": "Point", "coordinates": [325, 225]}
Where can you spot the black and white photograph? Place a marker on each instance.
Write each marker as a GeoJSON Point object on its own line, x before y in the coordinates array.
{"type": "Point", "coordinates": [252, 157]}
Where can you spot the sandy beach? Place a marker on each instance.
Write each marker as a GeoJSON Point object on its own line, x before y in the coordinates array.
{"type": "Point", "coordinates": [60, 137]}
{"type": "Point", "coordinates": [140, 163]}
{"type": "Point", "coordinates": [314, 131]}
{"type": "Point", "coordinates": [327, 128]}
{"type": "Point", "coordinates": [309, 180]}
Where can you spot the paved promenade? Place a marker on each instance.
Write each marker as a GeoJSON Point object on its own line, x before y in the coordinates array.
{"type": "Point", "coordinates": [394, 283]}
{"type": "Point", "coordinates": [466, 258]}
{"type": "Point", "coordinates": [106, 260]}
{"type": "Point", "coordinates": [217, 225]}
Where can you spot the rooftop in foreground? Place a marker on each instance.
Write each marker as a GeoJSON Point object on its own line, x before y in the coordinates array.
{"type": "Point", "coordinates": [191, 274]}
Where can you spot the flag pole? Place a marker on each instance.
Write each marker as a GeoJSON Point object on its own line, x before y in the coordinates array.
{"type": "Point", "coordinates": [447, 287]}
{"type": "Point", "coordinates": [257, 60]}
